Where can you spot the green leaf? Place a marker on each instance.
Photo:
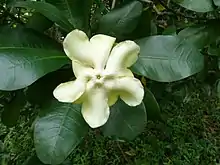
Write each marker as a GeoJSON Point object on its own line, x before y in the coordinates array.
{"type": "Point", "coordinates": [196, 5]}
{"type": "Point", "coordinates": [218, 87]}
{"type": "Point", "coordinates": [25, 56]}
{"type": "Point", "coordinates": [77, 11]}
{"type": "Point", "coordinates": [125, 121]}
{"type": "Point", "coordinates": [58, 131]}
{"type": "Point", "coordinates": [170, 30]}
{"type": "Point", "coordinates": [49, 11]}
{"type": "Point", "coordinates": [145, 26]}
{"type": "Point", "coordinates": [39, 22]}
{"type": "Point", "coordinates": [22, 36]}
{"type": "Point", "coordinates": [151, 105]}
{"type": "Point", "coordinates": [19, 69]}
{"type": "Point", "coordinates": [46, 85]}
{"type": "Point", "coordinates": [216, 2]}
{"type": "Point", "coordinates": [201, 35]}
{"type": "Point", "coordinates": [167, 58]}
{"type": "Point", "coordinates": [11, 112]}
{"type": "Point", "coordinates": [8, 2]}
{"type": "Point", "coordinates": [122, 21]}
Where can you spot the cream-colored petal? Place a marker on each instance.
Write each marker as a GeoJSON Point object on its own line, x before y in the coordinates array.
{"type": "Point", "coordinates": [95, 109]}
{"type": "Point", "coordinates": [112, 97]}
{"type": "Point", "coordinates": [81, 70]}
{"type": "Point", "coordinates": [123, 55]}
{"type": "Point", "coordinates": [129, 89]}
{"type": "Point", "coordinates": [124, 73]}
{"type": "Point", "coordinates": [70, 91]}
{"type": "Point", "coordinates": [109, 76]}
{"type": "Point", "coordinates": [102, 45]}
{"type": "Point", "coordinates": [77, 47]}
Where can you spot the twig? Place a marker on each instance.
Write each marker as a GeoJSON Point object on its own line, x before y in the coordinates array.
{"type": "Point", "coordinates": [113, 4]}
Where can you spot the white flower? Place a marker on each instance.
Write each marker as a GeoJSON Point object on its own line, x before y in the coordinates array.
{"type": "Point", "coordinates": [102, 75]}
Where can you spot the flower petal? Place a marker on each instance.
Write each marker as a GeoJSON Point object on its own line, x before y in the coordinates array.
{"type": "Point", "coordinates": [124, 73]}
{"type": "Point", "coordinates": [123, 56]}
{"type": "Point", "coordinates": [112, 94]}
{"type": "Point", "coordinates": [81, 69]}
{"type": "Point", "coordinates": [102, 45]}
{"type": "Point", "coordinates": [112, 98]}
{"type": "Point", "coordinates": [129, 89]}
{"type": "Point", "coordinates": [69, 91]}
{"type": "Point", "coordinates": [77, 47]}
{"type": "Point", "coordinates": [93, 52]}
{"type": "Point", "coordinates": [95, 109]}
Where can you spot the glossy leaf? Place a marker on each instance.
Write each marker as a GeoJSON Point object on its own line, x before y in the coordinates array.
{"type": "Point", "coordinates": [39, 22]}
{"type": "Point", "coordinates": [145, 27]}
{"type": "Point", "coordinates": [49, 11]}
{"type": "Point", "coordinates": [201, 35]}
{"type": "Point", "coordinates": [77, 11]}
{"type": "Point", "coordinates": [151, 105]}
{"type": "Point", "coordinates": [46, 85]}
{"type": "Point", "coordinates": [216, 2]}
{"type": "Point", "coordinates": [196, 5]}
{"type": "Point", "coordinates": [11, 112]}
{"type": "Point", "coordinates": [8, 2]}
{"type": "Point", "coordinates": [122, 21]}
{"type": "Point", "coordinates": [125, 121]}
{"type": "Point", "coordinates": [25, 56]}
{"type": "Point", "coordinates": [58, 131]}
{"type": "Point", "coordinates": [167, 58]}
{"type": "Point", "coordinates": [170, 30]}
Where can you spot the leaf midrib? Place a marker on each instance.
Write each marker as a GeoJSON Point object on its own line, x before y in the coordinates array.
{"type": "Point", "coordinates": [33, 61]}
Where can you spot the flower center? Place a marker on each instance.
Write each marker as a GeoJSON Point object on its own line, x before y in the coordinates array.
{"type": "Point", "coordinates": [98, 76]}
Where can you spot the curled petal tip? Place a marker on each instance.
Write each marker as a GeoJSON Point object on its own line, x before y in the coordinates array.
{"type": "Point", "coordinates": [69, 91]}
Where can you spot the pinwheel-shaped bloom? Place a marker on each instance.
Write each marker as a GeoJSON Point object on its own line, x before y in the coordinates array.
{"type": "Point", "coordinates": [102, 75]}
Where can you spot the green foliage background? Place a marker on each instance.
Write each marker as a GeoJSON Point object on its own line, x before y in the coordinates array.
{"type": "Point", "coordinates": [178, 40]}
{"type": "Point", "coordinates": [191, 136]}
